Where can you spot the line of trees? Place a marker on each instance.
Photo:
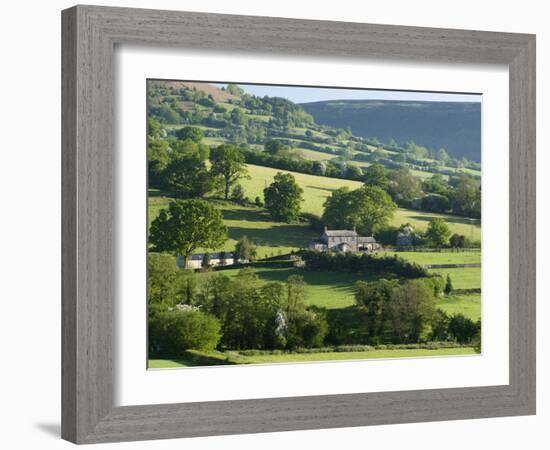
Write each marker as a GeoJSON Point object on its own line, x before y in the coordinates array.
{"type": "Point", "coordinates": [212, 311]}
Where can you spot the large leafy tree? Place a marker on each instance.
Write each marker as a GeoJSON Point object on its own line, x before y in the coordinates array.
{"type": "Point", "coordinates": [466, 196]}
{"type": "Point", "coordinates": [186, 174]}
{"type": "Point", "coordinates": [245, 249]}
{"type": "Point", "coordinates": [228, 163]}
{"type": "Point", "coordinates": [187, 225]}
{"type": "Point", "coordinates": [438, 232]}
{"type": "Point", "coordinates": [404, 186]}
{"type": "Point", "coordinates": [376, 175]}
{"type": "Point", "coordinates": [368, 209]}
{"type": "Point", "coordinates": [193, 133]}
{"type": "Point", "coordinates": [283, 198]}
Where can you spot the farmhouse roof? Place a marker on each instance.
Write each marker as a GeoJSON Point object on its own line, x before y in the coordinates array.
{"type": "Point", "coordinates": [200, 256]}
{"type": "Point", "coordinates": [366, 240]}
{"type": "Point", "coordinates": [338, 233]}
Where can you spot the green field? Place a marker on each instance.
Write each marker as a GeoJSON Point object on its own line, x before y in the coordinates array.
{"type": "Point", "coordinates": [444, 257]}
{"type": "Point", "coordinates": [316, 188]}
{"type": "Point", "coordinates": [469, 278]}
{"type": "Point", "coordinates": [471, 228]}
{"type": "Point", "coordinates": [467, 305]}
{"type": "Point", "coordinates": [219, 358]}
{"type": "Point", "coordinates": [325, 289]}
{"type": "Point", "coordinates": [272, 238]}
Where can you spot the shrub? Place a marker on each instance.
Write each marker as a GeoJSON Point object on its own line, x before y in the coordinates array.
{"type": "Point", "coordinates": [174, 331]}
{"type": "Point", "coordinates": [463, 329]}
{"type": "Point", "coordinates": [307, 329]}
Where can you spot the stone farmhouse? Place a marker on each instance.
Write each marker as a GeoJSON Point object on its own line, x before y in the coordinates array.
{"type": "Point", "coordinates": [344, 241]}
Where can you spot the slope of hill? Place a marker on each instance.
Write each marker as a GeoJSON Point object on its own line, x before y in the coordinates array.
{"type": "Point", "coordinates": [454, 126]}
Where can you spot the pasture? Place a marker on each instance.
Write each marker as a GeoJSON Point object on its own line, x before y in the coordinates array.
{"type": "Point", "coordinates": [444, 257]}
{"type": "Point", "coordinates": [469, 278]}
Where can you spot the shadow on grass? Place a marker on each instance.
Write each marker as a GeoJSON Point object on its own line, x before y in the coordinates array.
{"type": "Point", "coordinates": [197, 360]}
{"type": "Point", "coordinates": [319, 188]}
{"type": "Point", "coordinates": [249, 215]}
{"type": "Point", "coordinates": [334, 280]}
{"type": "Point", "coordinates": [449, 219]}
{"type": "Point", "coordinates": [277, 236]}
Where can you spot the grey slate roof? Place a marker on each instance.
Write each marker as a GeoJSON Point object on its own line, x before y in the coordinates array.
{"type": "Point", "coordinates": [200, 256]}
{"type": "Point", "coordinates": [366, 240]}
{"type": "Point", "coordinates": [343, 233]}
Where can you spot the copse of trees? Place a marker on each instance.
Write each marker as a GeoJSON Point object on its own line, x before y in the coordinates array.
{"type": "Point", "coordinates": [187, 176]}
{"type": "Point", "coordinates": [283, 198]}
{"type": "Point", "coordinates": [238, 313]}
{"type": "Point", "coordinates": [367, 209]}
{"type": "Point", "coordinates": [187, 225]}
{"type": "Point", "coordinates": [400, 311]}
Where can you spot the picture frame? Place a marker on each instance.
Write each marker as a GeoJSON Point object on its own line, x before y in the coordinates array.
{"type": "Point", "coordinates": [90, 34]}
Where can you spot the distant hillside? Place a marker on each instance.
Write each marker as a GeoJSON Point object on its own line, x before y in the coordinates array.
{"type": "Point", "coordinates": [453, 126]}
{"type": "Point", "coordinates": [215, 93]}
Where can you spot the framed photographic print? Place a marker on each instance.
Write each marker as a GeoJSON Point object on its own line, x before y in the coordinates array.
{"type": "Point", "coordinates": [266, 230]}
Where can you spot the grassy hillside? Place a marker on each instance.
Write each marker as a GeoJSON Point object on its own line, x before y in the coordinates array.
{"type": "Point", "coordinates": [455, 126]}
{"type": "Point", "coordinates": [177, 104]}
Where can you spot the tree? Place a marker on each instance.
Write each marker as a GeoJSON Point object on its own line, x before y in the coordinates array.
{"type": "Point", "coordinates": [173, 332]}
{"type": "Point", "coordinates": [188, 146]}
{"type": "Point", "coordinates": [205, 260]}
{"type": "Point", "coordinates": [463, 329]}
{"type": "Point", "coordinates": [442, 155]}
{"type": "Point", "coordinates": [228, 162]}
{"type": "Point", "coordinates": [372, 298]}
{"type": "Point", "coordinates": [438, 232]}
{"type": "Point", "coordinates": [188, 176]}
{"type": "Point", "coordinates": [448, 285]}
{"type": "Point", "coordinates": [238, 195]}
{"type": "Point", "coordinates": [193, 133]}
{"type": "Point", "coordinates": [157, 159]}
{"type": "Point", "coordinates": [368, 209]}
{"type": "Point", "coordinates": [466, 196]}
{"type": "Point", "coordinates": [238, 117]}
{"type": "Point", "coordinates": [353, 172]}
{"type": "Point", "coordinates": [162, 279]}
{"type": "Point", "coordinates": [244, 250]}
{"type": "Point", "coordinates": [376, 175]}
{"type": "Point", "coordinates": [277, 148]}
{"type": "Point", "coordinates": [410, 310]}
{"type": "Point", "coordinates": [233, 89]}
{"type": "Point", "coordinates": [440, 326]}
{"type": "Point", "coordinates": [187, 225]}
{"type": "Point", "coordinates": [283, 198]}
{"type": "Point", "coordinates": [403, 186]}
{"type": "Point", "coordinates": [457, 240]}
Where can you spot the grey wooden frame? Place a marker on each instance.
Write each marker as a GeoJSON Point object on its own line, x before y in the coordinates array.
{"type": "Point", "coordinates": [89, 37]}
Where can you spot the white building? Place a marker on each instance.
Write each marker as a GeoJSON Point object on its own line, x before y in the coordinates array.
{"type": "Point", "coordinates": [216, 259]}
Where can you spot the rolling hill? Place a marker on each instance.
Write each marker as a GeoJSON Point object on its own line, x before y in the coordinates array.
{"type": "Point", "coordinates": [454, 126]}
